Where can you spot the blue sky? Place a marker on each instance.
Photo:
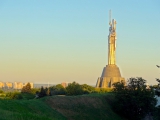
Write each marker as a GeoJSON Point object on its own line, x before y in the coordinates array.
{"type": "Point", "coordinates": [66, 40]}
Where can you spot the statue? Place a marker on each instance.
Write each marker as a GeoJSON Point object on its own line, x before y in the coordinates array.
{"type": "Point", "coordinates": [112, 42]}
{"type": "Point", "coordinates": [111, 72]}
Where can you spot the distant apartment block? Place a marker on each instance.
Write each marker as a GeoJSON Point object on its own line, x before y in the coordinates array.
{"type": "Point", "coordinates": [9, 85]}
{"type": "Point", "coordinates": [19, 85]}
{"type": "Point", "coordinates": [65, 84]}
{"type": "Point", "coordinates": [30, 84]}
{"type": "Point", "coordinates": [15, 85]}
{"type": "Point", "coordinates": [2, 85]}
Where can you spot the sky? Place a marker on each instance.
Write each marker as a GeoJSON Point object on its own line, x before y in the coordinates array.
{"type": "Point", "coordinates": [66, 40]}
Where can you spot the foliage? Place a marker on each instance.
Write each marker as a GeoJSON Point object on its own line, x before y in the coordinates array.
{"type": "Point", "coordinates": [19, 95]}
{"type": "Point", "coordinates": [54, 90]}
{"type": "Point", "coordinates": [14, 95]}
{"type": "Point", "coordinates": [156, 115]}
{"type": "Point", "coordinates": [135, 100]}
{"type": "Point", "coordinates": [155, 86]}
{"type": "Point", "coordinates": [26, 88]}
{"type": "Point", "coordinates": [157, 91]}
{"type": "Point", "coordinates": [74, 89]}
{"type": "Point", "coordinates": [57, 90]}
{"type": "Point", "coordinates": [1, 91]}
{"type": "Point", "coordinates": [42, 92]}
{"type": "Point", "coordinates": [87, 89]}
{"type": "Point", "coordinates": [103, 90]}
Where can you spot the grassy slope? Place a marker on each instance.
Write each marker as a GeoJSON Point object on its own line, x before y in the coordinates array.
{"type": "Point", "coordinates": [83, 107]}
{"type": "Point", "coordinates": [27, 110]}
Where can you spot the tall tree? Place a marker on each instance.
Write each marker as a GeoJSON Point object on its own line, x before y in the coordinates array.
{"type": "Point", "coordinates": [42, 92]}
{"type": "Point", "coordinates": [157, 92]}
{"type": "Point", "coordinates": [26, 88]}
{"type": "Point", "coordinates": [74, 89]}
{"type": "Point", "coordinates": [133, 101]}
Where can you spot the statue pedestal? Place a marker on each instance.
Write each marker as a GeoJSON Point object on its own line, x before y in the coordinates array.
{"type": "Point", "coordinates": [110, 75]}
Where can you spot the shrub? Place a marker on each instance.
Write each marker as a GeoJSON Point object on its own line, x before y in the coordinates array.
{"type": "Point", "coordinates": [14, 95]}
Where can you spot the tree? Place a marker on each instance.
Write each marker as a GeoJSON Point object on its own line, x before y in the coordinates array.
{"type": "Point", "coordinates": [133, 101]}
{"type": "Point", "coordinates": [47, 90]}
{"type": "Point", "coordinates": [42, 92]}
{"type": "Point", "coordinates": [158, 80]}
{"type": "Point", "coordinates": [74, 89]}
{"type": "Point", "coordinates": [26, 88]}
{"type": "Point", "coordinates": [157, 91]}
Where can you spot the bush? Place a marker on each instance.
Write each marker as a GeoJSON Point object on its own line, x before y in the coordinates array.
{"type": "Point", "coordinates": [156, 115]}
{"type": "Point", "coordinates": [14, 95]}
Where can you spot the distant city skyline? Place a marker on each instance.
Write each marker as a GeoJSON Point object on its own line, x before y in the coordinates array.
{"type": "Point", "coordinates": [66, 40]}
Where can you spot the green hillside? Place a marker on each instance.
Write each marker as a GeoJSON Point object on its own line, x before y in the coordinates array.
{"type": "Point", "coordinates": [83, 107]}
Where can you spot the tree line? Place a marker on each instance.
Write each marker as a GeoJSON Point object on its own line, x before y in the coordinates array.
{"type": "Point", "coordinates": [133, 100]}
{"type": "Point", "coordinates": [72, 89]}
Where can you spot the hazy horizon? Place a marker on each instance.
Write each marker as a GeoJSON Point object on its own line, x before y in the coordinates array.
{"type": "Point", "coordinates": [67, 40]}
